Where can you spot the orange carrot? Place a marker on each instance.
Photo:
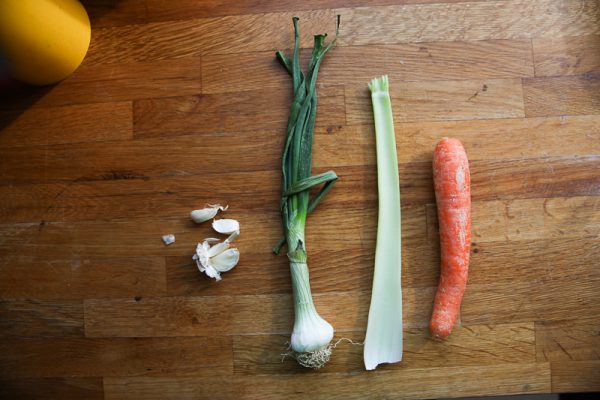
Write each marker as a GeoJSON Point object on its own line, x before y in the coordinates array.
{"type": "Point", "coordinates": [452, 183]}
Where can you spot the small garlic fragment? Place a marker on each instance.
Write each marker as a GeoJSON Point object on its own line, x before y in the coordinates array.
{"type": "Point", "coordinates": [226, 226]}
{"type": "Point", "coordinates": [212, 260]}
{"type": "Point", "coordinates": [204, 214]}
{"type": "Point", "coordinates": [168, 239]}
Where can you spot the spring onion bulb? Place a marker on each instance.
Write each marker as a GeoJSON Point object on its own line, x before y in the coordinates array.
{"type": "Point", "coordinates": [383, 342]}
{"type": "Point", "coordinates": [311, 336]}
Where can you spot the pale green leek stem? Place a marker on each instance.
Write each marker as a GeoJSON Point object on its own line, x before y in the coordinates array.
{"type": "Point", "coordinates": [383, 342]}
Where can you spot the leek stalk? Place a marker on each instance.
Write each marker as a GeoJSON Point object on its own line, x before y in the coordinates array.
{"type": "Point", "coordinates": [383, 342]}
{"type": "Point", "coordinates": [311, 336]}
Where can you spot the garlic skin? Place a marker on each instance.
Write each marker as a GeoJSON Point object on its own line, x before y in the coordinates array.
{"type": "Point", "coordinates": [213, 260]}
{"type": "Point", "coordinates": [226, 226]}
{"type": "Point", "coordinates": [168, 239]}
{"type": "Point", "coordinates": [208, 213]}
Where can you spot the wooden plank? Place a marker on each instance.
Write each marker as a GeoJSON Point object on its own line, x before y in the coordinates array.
{"type": "Point", "coordinates": [473, 345]}
{"type": "Point", "coordinates": [195, 37]}
{"type": "Point", "coordinates": [70, 124]}
{"type": "Point", "coordinates": [197, 316]}
{"type": "Point", "coordinates": [246, 111]}
{"type": "Point", "coordinates": [115, 357]}
{"type": "Point", "coordinates": [103, 13]}
{"type": "Point", "coordinates": [519, 219]}
{"type": "Point", "coordinates": [441, 100]}
{"type": "Point", "coordinates": [27, 202]}
{"type": "Point", "coordinates": [214, 387]}
{"type": "Point", "coordinates": [52, 388]}
{"type": "Point", "coordinates": [37, 318]}
{"type": "Point", "coordinates": [156, 316]}
{"type": "Point", "coordinates": [569, 95]}
{"type": "Point", "coordinates": [530, 260]}
{"type": "Point", "coordinates": [109, 193]}
{"type": "Point", "coordinates": [143, 159]}
{"type": "Point", "coordinates": [568, 340]}
{"type": "Point", "coordinates": [117, 82]}
{"type": "Point", "coordinates": [458, 381]}
{"type": "Point", "coordinates": [560, 218]}
{"type": "Point", "coordinates": [141, 237]}
{"type": "Point", "coordinates": [42, 278]}
{"type": "Point", "coordinates": [575, 376]}
{"type": "Point", "coordinates": [548, 299]}
{"type": "Point", "coordinates": [566, 56]}
{"type": "Point", "coordinates": [531, 219]}
{"type": "Point", "coordinates": [335, 146]}
{"type": "Point", "coordinates": [568, 176]}
{"type": "Point", "coordinates": [159, 11]}
{"type": "Point", "coordinates": [404, 62]}
{"type": "Point", "coordinates": [145, 42]}
{"type": "Point", "coordinates": [508, 19]}
{"type": "Point", "coordinates": [514, 138]}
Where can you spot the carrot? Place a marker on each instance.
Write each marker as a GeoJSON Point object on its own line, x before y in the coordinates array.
{"type": "Point", "coordinates": [452, 183]}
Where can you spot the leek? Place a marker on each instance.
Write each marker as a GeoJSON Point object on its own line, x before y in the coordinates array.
{"type": "Point", "coordinates": [311, 336]}
{"type": "Point", "coordinates": [383, 342]}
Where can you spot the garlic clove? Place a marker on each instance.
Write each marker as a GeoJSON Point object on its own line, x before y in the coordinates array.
{"type": "Point", "coordinates": [226, 226]}
{"type": "Point", "coordinates": [209, 270]}
{"type": "Point", "coordinates": [199, 216]}
{"type": "Point", "coordinates": [204, 214]}
{"type": "Point", "coordinates": [217, 249]}
{"type": "Point", "coordinates": [226, 260]}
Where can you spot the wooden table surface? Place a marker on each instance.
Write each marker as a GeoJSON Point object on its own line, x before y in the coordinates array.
{"type": "Point", "coordinates": [182, 103]}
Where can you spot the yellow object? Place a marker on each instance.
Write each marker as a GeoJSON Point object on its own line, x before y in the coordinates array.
{"type": "Point", "coordinates": [43, 41]}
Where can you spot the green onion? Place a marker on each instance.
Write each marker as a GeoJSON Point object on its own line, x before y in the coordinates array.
{"type": "Point", "coordinates": [383, 342]}
{"type": "Point", "coordinates": [311, 337]}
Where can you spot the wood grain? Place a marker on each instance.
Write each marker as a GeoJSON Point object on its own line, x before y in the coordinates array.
{"type": "Point", "coordinates": [569, 95]}
{"type": "Point", "coordinates": [508, 19]}
{"type": "Point", "coordinates": [570, 376]}
{"type": "Point", "coordinates": [492, 345]}
{"type": "Point", "coordinates": [114, 193]}
{"type": "Point", "coordinates": [535, 260]}
{"type": "Point", "coordinates": [41, 318]}
{"type": "Point", "coordinates": [573, 55]}
{"type": "Point", "coordinates": [501, 220]}
{"type": "Point", "coordinates": [68, 124]}
{"type": "Point", "coordinates": [569, 340]}
{"type": "Point", "coordinates": [245, 111]}
{"type": "Point", "coordinates": [117, 82]}
{"type": "Point", "coordinates": [199, 316]}
{"type": "Point", "coordinates": [114, 357]}
{"type": "Point", "coordinates": [444, 100]}
{"type": "Point", "coordinates": [437, 61]}
{"type": "Point", "coordinates": [159, 11]}
{"type": "Point", "coordinates": [40, 278]}
{"type": "Point", "coordinates": [142, 238]}
{"type": "Point", "coordinates": [521, 302]}
{"type": "Point", "coordinates": [114, 13]}
{"type": "Point", "coordinates": [460, 381]}
{"type": "Point", "coordinates": [53, 388]}
{"type": "Point", "coordinates": [514, 138]}
{"type": "Point", "coordinates": [175, 157]}
{"type": "Point", "coordinates": [228, 34]}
